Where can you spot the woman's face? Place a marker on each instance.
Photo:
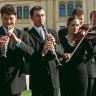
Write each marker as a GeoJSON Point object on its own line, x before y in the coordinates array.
{"type": "Point", "coordinates": [81, 19]}
{"type": "Point", "coordinates": [93, 19]}
{"type": "Point", "coordinates": [74, 26]}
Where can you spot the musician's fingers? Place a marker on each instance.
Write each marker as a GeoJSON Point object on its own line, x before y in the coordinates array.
{"type": "Point", "coordinates": [51, 47]}
{"type": "Point", "coordinates": [50, 36]}
{"type": "Point", "coordinates": [10, 35]}
{"type": "Point", "coordinates": [69, 55]}
{"type": "Point", "coordinates": [66, 56]}
{"type": "Point", "coordinates": [2, 43]}
{"type": "Point", "coordinates": [5, 38]}
{"type": "Point", "coordinates": [13, 37]}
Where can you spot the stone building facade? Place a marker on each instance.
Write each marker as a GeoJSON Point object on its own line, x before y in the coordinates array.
{"type": "Point", "coordinates": [57, 11]}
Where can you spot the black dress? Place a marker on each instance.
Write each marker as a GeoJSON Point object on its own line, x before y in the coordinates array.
{"type": "Point", "coordinates": [73, 76]}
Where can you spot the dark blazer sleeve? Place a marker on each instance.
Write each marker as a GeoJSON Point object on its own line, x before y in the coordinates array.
{"type": "Point", "coordinates": [59, 49]}
{"type": "Point", "coordinates": [25, 44]}
{"type": "Point", "coordinates": [61, 34]}
{"type": "Point", "coordinates": [89, 49]}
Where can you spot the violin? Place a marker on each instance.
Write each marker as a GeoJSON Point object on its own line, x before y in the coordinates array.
{"type": "Point", "coordinates": [79, 38]}
{"type": "Point", "coordinates": [82, 31]}
{"type": "Point", "coordinates": [86, 26]}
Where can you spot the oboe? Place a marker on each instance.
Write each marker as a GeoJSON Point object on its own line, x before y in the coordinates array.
{"type": "Point", "coordinates": [58, 64]}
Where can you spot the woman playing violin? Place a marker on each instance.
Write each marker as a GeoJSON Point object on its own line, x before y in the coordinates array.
{"type": "Point", "coordinates": [76, 12]}
{"type": "Point", "coordinates": [73, 76]}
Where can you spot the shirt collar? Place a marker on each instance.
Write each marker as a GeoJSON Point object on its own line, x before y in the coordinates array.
{"type": "Point", "coordinates": [6, 31]}
{"type": "Point", "coordinates": [37, 29]}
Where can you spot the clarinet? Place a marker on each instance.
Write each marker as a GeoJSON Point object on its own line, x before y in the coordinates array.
{"type": "Point", "coordinates": [58, 64]}
{"type": "Point", "coordinates": [6, 44]}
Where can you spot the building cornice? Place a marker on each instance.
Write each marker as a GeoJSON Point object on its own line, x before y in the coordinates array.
{"type": "Point", "coordinates": [28, 0]}
{"type": "Point", "coordinates": [17, 0]}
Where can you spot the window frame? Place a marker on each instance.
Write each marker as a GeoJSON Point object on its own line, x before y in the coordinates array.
{"type": "Point", "coordinates": [78, 2]}
{"type": "Point", "coordinates": [25, 10]}
{"type": "Point", "coordinates": [62, 10]}
{"type": "Point", "coordinates": [19, 12]}
{"type": "Point", "coordinates": [70, 9]}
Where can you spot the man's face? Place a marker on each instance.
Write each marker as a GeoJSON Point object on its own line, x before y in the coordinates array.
{"type": "Point", "coordinates": [38, 17]}
{"type": "Point", "coordinates": [8, 20]}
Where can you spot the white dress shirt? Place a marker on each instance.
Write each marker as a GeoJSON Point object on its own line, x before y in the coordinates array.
{"type": "Point", "coordinates": [40, 32]}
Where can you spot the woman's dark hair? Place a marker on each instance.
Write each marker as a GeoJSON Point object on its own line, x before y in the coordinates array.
{"type": "Point", "coordinates": [8, 9]}
{"type": "Point", "coordinates": [70, 19]}
{"type": "Point", "coordinates": [77, 11]}
{"type": "Point", "coordinates": [94, 11]}
{"type": "Point", "coordinates": [35, 8]}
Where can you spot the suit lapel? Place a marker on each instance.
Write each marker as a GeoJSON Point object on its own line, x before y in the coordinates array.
{"type": "Point", "coordinates": [11, 43]}
{"type": "Point", "coordinates": [2, 32]}
{"type": "Point", "coordinates": [36, 35]}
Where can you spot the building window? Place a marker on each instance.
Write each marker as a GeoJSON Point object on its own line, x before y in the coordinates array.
{"type": "Point", "coordinates": [19, 12]}
{"type": "Point", "coordinates": [70, 8]}
{"type": "Point", "coordinates": [78, 4]}
{"type": "Point", "coordinates": [62, 10]}
{"type": "Point", "coordinates": [26, 12]}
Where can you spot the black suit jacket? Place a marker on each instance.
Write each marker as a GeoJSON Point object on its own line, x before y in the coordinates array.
{"type": "Point", "coordinates": [91, 65]}
{"type": "Point", "coordinates": [43, 72]}
{"type": "Point", "coordinates": [13, 72]}
{"type": "Point", "coordinates": [62, 33]}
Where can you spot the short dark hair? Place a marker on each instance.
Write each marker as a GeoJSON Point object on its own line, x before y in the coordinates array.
{"type": "Point", "coordinates": [94, 11]}
{"type": "Point", "coordinates": [70, 19]}
{"type": "Point", "coordinates": [8, 9]}
{"type": "Point", "coordinates": [77, 11]}
{"type": "Point", "coordinates": [35, 8]}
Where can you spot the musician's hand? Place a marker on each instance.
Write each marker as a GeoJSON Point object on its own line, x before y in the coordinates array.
{"type": "Point", "coordinates": [51, 38]}
{"type": "Point", "coordinates": [48, 46]}
{"type": "Point", "coordinates": [3, 40]}
{"type": "Point", "coordinates": [74, 43]}
{"type": "Point", "coordinates": [66, 56]}
{"type": "Point", "coordinates": [13, 37]}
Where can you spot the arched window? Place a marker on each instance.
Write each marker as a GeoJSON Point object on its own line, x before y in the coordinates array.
{"type": "Point", "coordinates": [78, 4]}
{"type": "Point", "coordinates": [26, 12]}
{"type": "Point", "coordinates": [70, 8]}
{"type": "Point", "coordinates": [19, 12]}
{"type": "Point", "coordinates": [62, 10]}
